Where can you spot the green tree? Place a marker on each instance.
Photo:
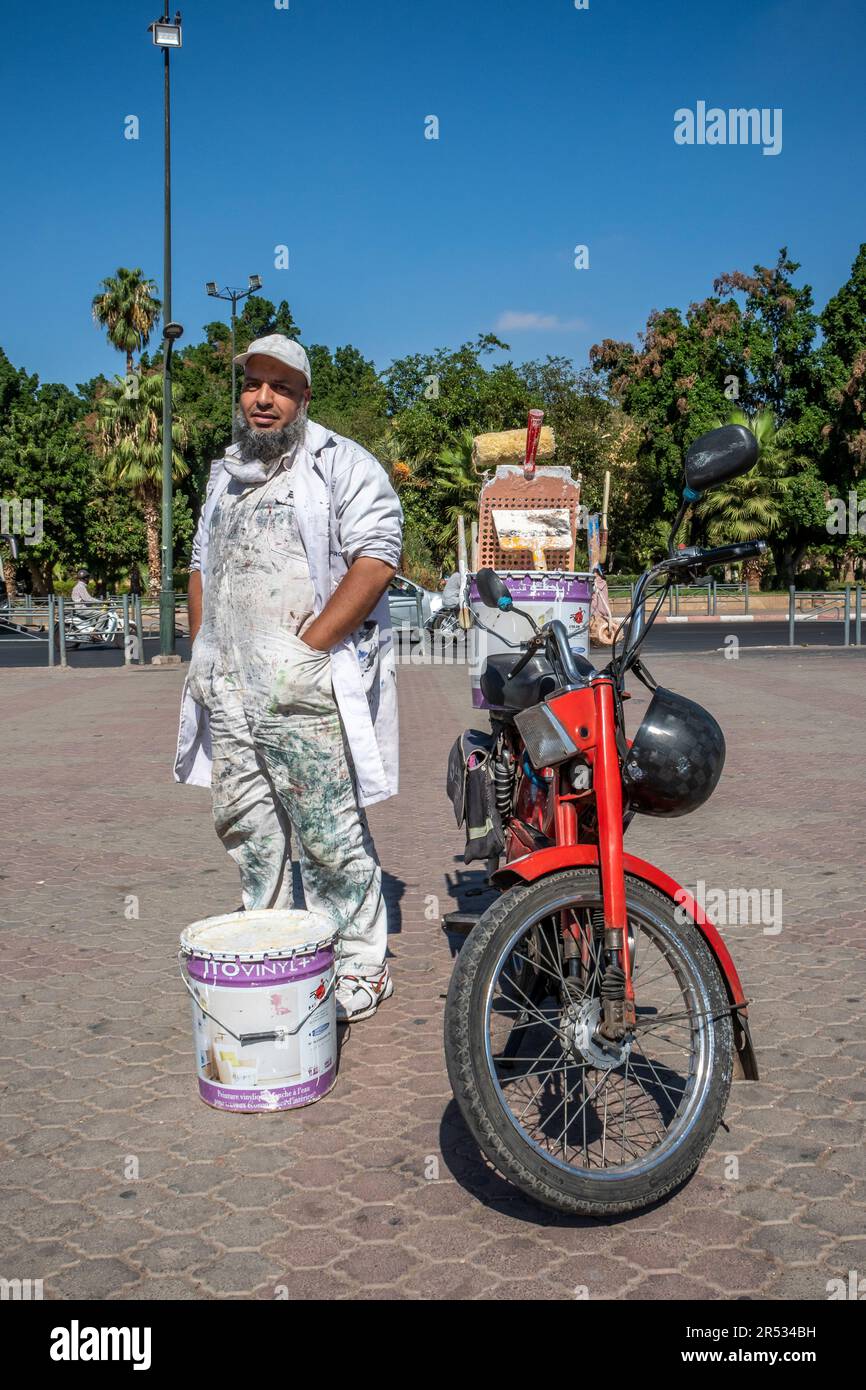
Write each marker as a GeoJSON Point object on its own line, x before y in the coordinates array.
{"type": "Point", "coordinates": [673, 385]}
{"type": "Point", "coordinates": [348, 396]}
{"type": "Point", "coordinates": [435, 401]}
{"type": "Point", "coordinates": [128, 439]}
{"type": "Point", "coordinates": [458, 484]}
{"type": "Point", "coordinates": [114, 533]}
{"type": "Point", "coordinates": [595, 436]}
{"type": "Point", "coordinates": [687, 370]}
{"type": "Point", "coordinates": [44, 461]}
{"type": "Point", "coordinates": [843, 322]}
{"type": "Point", "coordinates": [779, 367]}
{"type": "Point", "coordinates": [433, 398]}
{"type": "Point", "coordinates": [258, 318]}
{"type": "Point", "coordinates": [202, 376]}
{"type": "Point", "coordinates": [747, 508]}
{"type": "Point", "coordinates": [15, 383]}
{"type": "Point", "coordinates": [127, 308]}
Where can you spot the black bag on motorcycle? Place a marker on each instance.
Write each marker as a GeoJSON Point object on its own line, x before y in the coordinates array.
{"type": "Point", "coordinates": [471, 789]}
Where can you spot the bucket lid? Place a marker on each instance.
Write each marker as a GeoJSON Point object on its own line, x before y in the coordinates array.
{"type": "Point", "coordinates": [265, 933]}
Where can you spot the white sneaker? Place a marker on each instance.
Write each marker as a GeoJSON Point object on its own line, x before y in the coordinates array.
{"type": "Point", "coordinates": [359, 996]}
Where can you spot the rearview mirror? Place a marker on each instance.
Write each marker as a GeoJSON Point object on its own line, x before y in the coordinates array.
{"type": "Point", "coordinates": [720, 454]}
{"type": "Point", "coordinates": [492, 589]}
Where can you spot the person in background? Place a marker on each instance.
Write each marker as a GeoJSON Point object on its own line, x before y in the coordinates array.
{"type": "Point", "coordinates": [81, 595]}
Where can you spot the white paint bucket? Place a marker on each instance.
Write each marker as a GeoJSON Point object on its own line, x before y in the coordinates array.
{"type": "Point", "coordinates": [546, 594]}
{"type": "Point", "coordinates": [263, 1008]}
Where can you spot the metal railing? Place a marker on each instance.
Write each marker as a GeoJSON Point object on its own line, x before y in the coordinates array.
{"type": "Point", "coordinates": [709, 597]}
{"type": "Point", "coordinates": [120, 620]}
{"type": "Point", "coordinates": [839, 605]}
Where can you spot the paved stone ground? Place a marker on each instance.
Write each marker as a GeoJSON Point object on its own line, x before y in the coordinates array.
{"type": "Point", "coordinates": [120, 1184]}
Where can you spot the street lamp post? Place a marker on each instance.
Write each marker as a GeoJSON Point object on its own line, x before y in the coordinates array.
{"type": "Point", "coordinates": [235, 296]}
{"type": "Point", "coordinates": [167, 35]}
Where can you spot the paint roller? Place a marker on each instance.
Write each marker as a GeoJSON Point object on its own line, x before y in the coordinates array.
{"type": "Point", "coordinates": [512, 446]}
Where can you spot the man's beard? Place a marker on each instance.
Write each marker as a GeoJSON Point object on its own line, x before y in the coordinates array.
{"type": "Point", "coordinates": [268, 445]}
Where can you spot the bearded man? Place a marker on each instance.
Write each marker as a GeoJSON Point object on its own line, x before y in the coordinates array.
{"type": "Point", "coordinates": [289, 710]}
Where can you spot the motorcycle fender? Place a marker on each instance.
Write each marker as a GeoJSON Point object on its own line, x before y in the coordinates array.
{"type": "Point", "coordinates": [549, 861]}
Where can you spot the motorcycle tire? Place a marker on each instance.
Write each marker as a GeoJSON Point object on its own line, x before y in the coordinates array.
{"type": "Point", "coordinates": [504, 1143]}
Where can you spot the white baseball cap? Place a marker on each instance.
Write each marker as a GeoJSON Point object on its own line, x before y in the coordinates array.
{"type": "Point", "coordinates": [283, 349]}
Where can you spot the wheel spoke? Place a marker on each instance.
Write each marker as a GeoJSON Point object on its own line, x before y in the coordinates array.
{"type": "Point", "coordinates": [534, 965]}
{"type": "Point", "coordinates": [568, 1101]}
{"type": "Point", "coordinates": [658, 1079]}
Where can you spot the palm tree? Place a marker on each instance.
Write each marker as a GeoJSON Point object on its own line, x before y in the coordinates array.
{"type": "Point", "coordinates": [127, 308]}
{"type": "Point", "coordinates": [455, 475]}
{"type": "Point", "coordinates": [128, 434]}
{"type": "Point", "coordinates": [748, 508]}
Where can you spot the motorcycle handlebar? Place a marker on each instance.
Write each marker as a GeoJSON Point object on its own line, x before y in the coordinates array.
{"type": "Point", "coordinates": [555, 634]}
{"type": "Point", "coordinates": [696, 558]}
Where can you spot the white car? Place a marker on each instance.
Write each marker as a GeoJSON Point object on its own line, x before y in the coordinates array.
{"type": "Point", "coordinates": [411, 607]}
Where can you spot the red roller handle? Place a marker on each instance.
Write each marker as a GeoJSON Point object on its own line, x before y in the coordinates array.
{"type": "Point", "coordinates": [533, 434]}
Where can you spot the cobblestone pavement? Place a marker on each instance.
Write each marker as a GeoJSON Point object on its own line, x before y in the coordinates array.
{"type": "Point", "coordinates": [119, 1183]}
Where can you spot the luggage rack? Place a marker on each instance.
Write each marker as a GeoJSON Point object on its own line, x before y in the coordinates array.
{"type": "Point", "coordinates": [552, 489]}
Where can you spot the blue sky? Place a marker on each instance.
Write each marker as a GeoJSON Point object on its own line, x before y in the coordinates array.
{"type": "Point", "coordinates": [305, 127]}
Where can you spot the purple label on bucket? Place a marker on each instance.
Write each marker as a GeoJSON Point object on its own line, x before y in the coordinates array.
{"type": "Point", "coordinates": [542, 587]}
{"type": "Point", "coordinates": [266, 1098]}
{"type": "Point", "coordinates": [239, 974]}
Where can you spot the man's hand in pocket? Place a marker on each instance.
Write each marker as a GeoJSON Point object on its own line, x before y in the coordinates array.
{"type": "Point", "coordinates": [302, 680]}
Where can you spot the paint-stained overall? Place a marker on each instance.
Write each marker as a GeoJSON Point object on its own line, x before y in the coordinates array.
{"type": "Point", "coordinates": [280, 756]}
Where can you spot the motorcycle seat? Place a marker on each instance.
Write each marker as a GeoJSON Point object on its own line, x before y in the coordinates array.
{"type": "Point", "coordinates": [529, 687]}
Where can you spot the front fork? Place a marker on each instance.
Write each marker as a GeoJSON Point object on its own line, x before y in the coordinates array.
{"type": "Point", "coordinates": [617, 988]}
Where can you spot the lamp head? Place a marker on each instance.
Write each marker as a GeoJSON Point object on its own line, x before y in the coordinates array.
{"type": "Point", "coordinates": [167, 35]}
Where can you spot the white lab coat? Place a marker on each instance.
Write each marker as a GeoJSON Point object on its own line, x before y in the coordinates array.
{"type": "Point", "coordinates": [345, 508]}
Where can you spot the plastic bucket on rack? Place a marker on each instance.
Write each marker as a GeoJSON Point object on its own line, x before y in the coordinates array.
{"type": "Point", "coordinates": [263, 1008]}
{"type": "Point", "coordinates": [561, 594]}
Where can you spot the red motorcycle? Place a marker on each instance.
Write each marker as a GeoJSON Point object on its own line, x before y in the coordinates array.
{"type": "Point", "coordinates": [594, 1017]}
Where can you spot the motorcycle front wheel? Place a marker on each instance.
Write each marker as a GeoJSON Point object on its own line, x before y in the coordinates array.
{"type": "Point", "coordinates": [576, 1123]}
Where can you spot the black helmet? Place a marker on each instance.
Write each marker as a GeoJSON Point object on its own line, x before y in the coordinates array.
{"type": "Point", "coordinates": [83, 574]}
{"type": "Point", "coordinates": [676, 758]}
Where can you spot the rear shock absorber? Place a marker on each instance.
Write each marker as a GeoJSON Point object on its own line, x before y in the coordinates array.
{"type": "Point", "coordinates": [503, 783]}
